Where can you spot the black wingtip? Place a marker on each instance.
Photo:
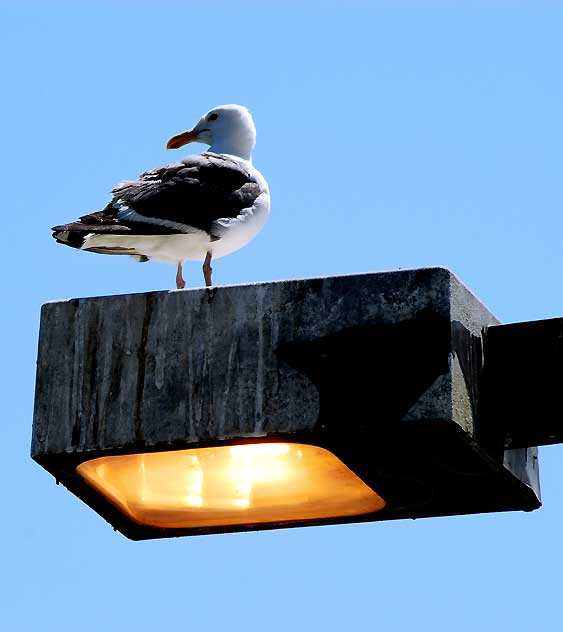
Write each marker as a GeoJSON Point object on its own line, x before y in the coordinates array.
{"type": "Point", "coordinates": [74, 240]}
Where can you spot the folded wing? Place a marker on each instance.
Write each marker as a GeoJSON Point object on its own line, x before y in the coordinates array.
{"type": "Point", "coordinates": [198, 193]}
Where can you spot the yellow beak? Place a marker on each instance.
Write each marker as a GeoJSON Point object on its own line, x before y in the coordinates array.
{"type": "Point", "coordinates": [182, 139]}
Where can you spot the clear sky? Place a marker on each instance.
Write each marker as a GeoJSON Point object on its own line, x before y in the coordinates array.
{"type": "Point", "coordinates": [426, 135]}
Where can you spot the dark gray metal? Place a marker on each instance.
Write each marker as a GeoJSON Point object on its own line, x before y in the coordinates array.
{"type": "Point", "coordinates": [524, 382]}
{"type": "Point", "coordinates": [383, 369]}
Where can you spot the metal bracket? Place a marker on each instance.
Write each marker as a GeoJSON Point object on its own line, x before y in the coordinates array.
{"type": "Point", "coordinates": [523, 384]}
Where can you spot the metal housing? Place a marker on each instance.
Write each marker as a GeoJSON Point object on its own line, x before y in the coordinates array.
{"type": "Point", "coordinates": [383, 369]}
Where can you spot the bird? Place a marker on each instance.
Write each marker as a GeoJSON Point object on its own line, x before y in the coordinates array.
{"type": "Point", "coordinates": [200, 208]}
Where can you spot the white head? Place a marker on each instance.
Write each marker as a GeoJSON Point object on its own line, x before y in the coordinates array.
{"type": "Point", "coordinates": [227, 129]}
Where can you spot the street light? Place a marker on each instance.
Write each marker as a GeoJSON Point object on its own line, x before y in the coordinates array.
{"type": "Point", "coordinates": [344, 399]}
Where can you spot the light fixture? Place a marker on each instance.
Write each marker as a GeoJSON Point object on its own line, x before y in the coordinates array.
{"type": "Point", "coordinates": [345, 399]}
{"type": "Point", "coordinates": [230, 485]}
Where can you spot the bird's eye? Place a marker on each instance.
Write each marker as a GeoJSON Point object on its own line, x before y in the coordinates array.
{"type": "Point", "coordinates": [213, 117]}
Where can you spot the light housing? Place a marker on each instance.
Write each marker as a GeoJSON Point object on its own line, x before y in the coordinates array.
{"type": "Point", "coordinates": [383, 371]}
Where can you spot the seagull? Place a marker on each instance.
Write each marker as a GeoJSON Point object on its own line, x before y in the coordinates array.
{"type": "Point", "coordinates": [203, 207]}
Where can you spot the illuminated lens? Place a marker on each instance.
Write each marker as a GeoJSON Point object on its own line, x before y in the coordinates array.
{"type": "Point", "coordinates": [230, 485]}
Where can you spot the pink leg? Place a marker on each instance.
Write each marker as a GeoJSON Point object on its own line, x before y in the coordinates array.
{"type": "Point", "coordinates": [207, 269]}
{"type": "Point", "coordinates": [180, 283]}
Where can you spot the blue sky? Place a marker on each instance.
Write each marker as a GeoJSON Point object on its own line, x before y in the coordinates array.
{"type": "Point", "coordinates": [426, 135]}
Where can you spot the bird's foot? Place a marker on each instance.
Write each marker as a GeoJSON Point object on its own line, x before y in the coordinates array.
{"type": "Point", "coordinates": [207, 270]}
{"type": "Point", "coordinates": [180, 283]}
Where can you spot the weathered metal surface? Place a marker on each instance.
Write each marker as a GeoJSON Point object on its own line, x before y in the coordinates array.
{"type": "Point", "coordinates": [383, 369]}
{"type": "Point", "coordinates": [168, 366]}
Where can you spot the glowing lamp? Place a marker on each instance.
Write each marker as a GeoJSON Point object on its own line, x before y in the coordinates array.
{"type": "Point", "coordinates": [345, 399]}
{"type": "Point", "coordinates": [230, 485]}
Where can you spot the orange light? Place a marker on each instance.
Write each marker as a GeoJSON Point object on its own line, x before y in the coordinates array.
{"type": "Point", "coordinates": [230, 485]}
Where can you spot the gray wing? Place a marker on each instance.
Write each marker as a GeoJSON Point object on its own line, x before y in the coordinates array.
{"type": "Point", "coordinates": [177, 198]}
